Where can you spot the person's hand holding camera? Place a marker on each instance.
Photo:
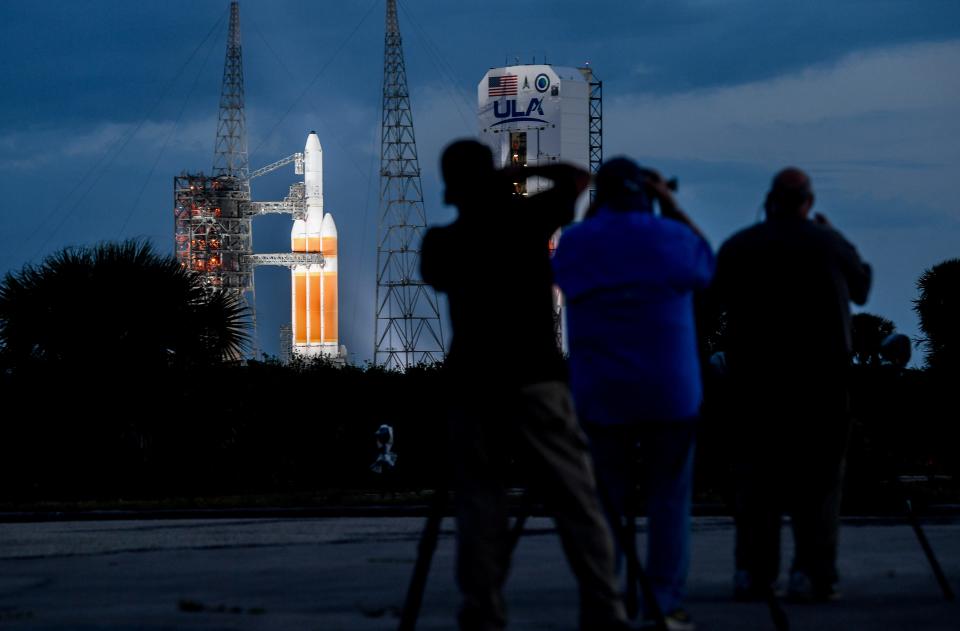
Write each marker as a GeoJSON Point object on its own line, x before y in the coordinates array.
{"type": "Point", "coordinates": [821, 220]}
{"type": "Point", "coordinates": [659, 189]}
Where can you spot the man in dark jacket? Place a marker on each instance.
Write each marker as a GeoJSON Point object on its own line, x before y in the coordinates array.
{"type": "Point", "coordinates": [786, 285]}
{"type": "Point", "coordinates": [509, 380]}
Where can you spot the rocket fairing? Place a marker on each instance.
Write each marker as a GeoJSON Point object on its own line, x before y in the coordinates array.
{"type": "Point", "coordinates": [314, 287]}
{"type": "Point", "coordinates": [313, 176]}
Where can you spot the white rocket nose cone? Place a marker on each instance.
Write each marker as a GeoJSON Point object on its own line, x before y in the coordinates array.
{"type": "Point", "coordinates": [313, 142]}
{"type": "Point", "coordinates": [313, 157]}
{"type": "Point", "coordinates": [328, 228]}
{"type": "Point", "coordinates": [298, 236]}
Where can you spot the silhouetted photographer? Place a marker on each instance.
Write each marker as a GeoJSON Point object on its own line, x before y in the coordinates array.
{"type": "Point", "coordinates": [629, 275]}
{"type": "Point", "coordinates": [509, 380]}
{"type": "Point", "coordinates": [786, 285]}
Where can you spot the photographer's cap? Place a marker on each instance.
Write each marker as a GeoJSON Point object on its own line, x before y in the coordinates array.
{"type": "Point", "coordinates": [621, 185]}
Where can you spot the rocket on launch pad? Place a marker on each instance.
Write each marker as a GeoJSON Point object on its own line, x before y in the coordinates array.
{"type": "Point", "coordinates": [314, 287]}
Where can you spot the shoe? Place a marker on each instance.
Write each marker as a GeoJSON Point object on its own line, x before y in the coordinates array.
{"type": "Point", "coordinates": [802, 589]}
{"type": "Point", "coordinates": [746, 590]}
{"type": "Point", "coordinates": [623, 626]}
{"type": "Point", "coordinates": [677, 620]}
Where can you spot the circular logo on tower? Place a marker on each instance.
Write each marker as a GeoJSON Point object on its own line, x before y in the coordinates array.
{"type": "Point", "coordinates": [542, 82]}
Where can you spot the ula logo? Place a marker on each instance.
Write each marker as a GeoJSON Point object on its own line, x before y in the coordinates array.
{"type": "Point", "coordinates": [542, 82]}
{"type": "Point", "coordinates": [511, 113]}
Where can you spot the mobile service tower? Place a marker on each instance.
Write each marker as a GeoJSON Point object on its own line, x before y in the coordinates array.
{"type": "Point", "coordinates": [538, 114]}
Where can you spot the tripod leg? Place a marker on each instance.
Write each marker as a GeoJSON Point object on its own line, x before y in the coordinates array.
{"type": "Point", "coordinates": [627, 541]}
{"type": "Point", "coordinates": [520, 522]}
{"type": "Point", "coordinates": [777, 614]}
{"type": "Point", "coordinates": [421, 569]}
{"type": "Point", "coordinates": [928, 551]}
{"type": "Point", "coordinates": [631, 599]}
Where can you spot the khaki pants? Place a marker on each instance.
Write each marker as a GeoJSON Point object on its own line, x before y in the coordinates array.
{"type": "Point", "coordinates": [541, 418]}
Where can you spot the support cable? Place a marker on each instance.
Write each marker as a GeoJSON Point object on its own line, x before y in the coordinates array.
{"type": "Point", "coordinates": [123, 141]}
{"type": "Point", "coordinates": [319, 122]}
{"type": "Point", "coordinates": [375, 138]}
{"type": "Point", "coordinates": [440, 60]}
{"type": "Point", "coordinates": [443, 69]}
{"type": "Point", "coordinates": [166, 142]}
{"type": "Point", "coordinates": [317, 76]}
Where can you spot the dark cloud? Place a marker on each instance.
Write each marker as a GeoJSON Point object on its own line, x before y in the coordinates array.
{"type": "Point", "coordinates": [701, 89]}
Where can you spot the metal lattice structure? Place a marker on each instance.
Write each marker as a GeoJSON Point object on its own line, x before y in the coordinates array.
{"type": "Point", "coordinates": [212, 230]}
{"type": "Point", "coordinates": [230, 152]}
{"type": "Point", "coordinates": [286, 343]}
{"type": "Point", "coordinates": [407, 330]}
{"type": "Point", "coordinates": [213, 214]}
{"type": "Point", "coordinates": [595, 123]}
{"type": "Point", "coordinates": [212, 218]}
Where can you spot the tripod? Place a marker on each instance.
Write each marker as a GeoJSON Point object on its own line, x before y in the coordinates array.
{"type": "Point", "coordinates": [625, 535]}
{"type": "Point", "coordinates": [928, 552]}
{"type": "Point", "coordinates": [896, 350]}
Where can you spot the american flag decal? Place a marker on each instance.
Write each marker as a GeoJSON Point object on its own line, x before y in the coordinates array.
{"type": "Point", "coordinates": [504, 85]}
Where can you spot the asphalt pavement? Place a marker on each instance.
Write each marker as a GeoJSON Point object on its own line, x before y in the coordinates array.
{"type": "Point", "coordinates": [318, 574]}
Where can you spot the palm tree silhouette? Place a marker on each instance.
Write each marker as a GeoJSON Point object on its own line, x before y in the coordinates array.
{"type": "Point", "coordinates": [939, 309]}
{"type": "Point", "coordinates": [868, 333]}
{"type": "Point", "coordinates": [117, 304]}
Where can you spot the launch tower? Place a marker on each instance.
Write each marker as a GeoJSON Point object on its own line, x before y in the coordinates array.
{"type": "Point", "coordinates": [213, 216]}
{"type": "Point", "coordinates": [538, 114]}
{"type": "Point", "coordinates": [407, 328]}
{"type": "Point", "coordinates": [212, 227]}
{"type": "Point", "coordinates": [230, 152]}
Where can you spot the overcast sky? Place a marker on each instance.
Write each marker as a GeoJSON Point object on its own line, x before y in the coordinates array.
{"type": "Point", "coordinates": [105, 101]}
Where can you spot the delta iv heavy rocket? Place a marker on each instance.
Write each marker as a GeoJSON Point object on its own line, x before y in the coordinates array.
{"type": "Point", "coordinates": [314, 287]}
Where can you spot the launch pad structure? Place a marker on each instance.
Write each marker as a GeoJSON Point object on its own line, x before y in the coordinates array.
{"type": "Point", "coordinates": [213, 224]}
{"type": "Point", "coordinates": [211, 229]}
{"type": "Point", "coordinates": [213, 214]}
{"type": "Point", "coordinates": [528, 114]}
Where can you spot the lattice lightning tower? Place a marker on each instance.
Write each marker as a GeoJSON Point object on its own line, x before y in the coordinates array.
{"type": "Point", "coordinates": [212, 224]}
{"type": "Point", "coordinates": [407, 330]}
{"type": "Point", "coordinates": [230, 153]}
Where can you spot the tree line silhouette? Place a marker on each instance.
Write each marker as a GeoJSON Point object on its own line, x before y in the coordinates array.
{"type": "Point", "coordinates": [121, 377]}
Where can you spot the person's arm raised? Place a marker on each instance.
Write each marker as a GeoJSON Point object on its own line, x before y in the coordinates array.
{"type": "Point", "coordinates": [858, 274]}
{"type": "Point", "coordinates": [669, 209]}
{"type": "Point", "coordinates": [559, 201]}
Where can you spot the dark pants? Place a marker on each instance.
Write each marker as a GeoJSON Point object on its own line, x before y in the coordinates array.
{"type": "Point", "coordinates": [665, 451]}
{"type": "Point", "coordinates": [791, 448]}
{"type": "Point", "coordinates": [541, 416]}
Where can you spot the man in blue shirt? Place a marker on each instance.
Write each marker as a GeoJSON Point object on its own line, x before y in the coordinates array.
{"type": "Point", "coordinates": [628, 276]}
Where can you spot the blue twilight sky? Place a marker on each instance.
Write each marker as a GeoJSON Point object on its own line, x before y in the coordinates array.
{"type": "Point", "coordinates": [103, 101]}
